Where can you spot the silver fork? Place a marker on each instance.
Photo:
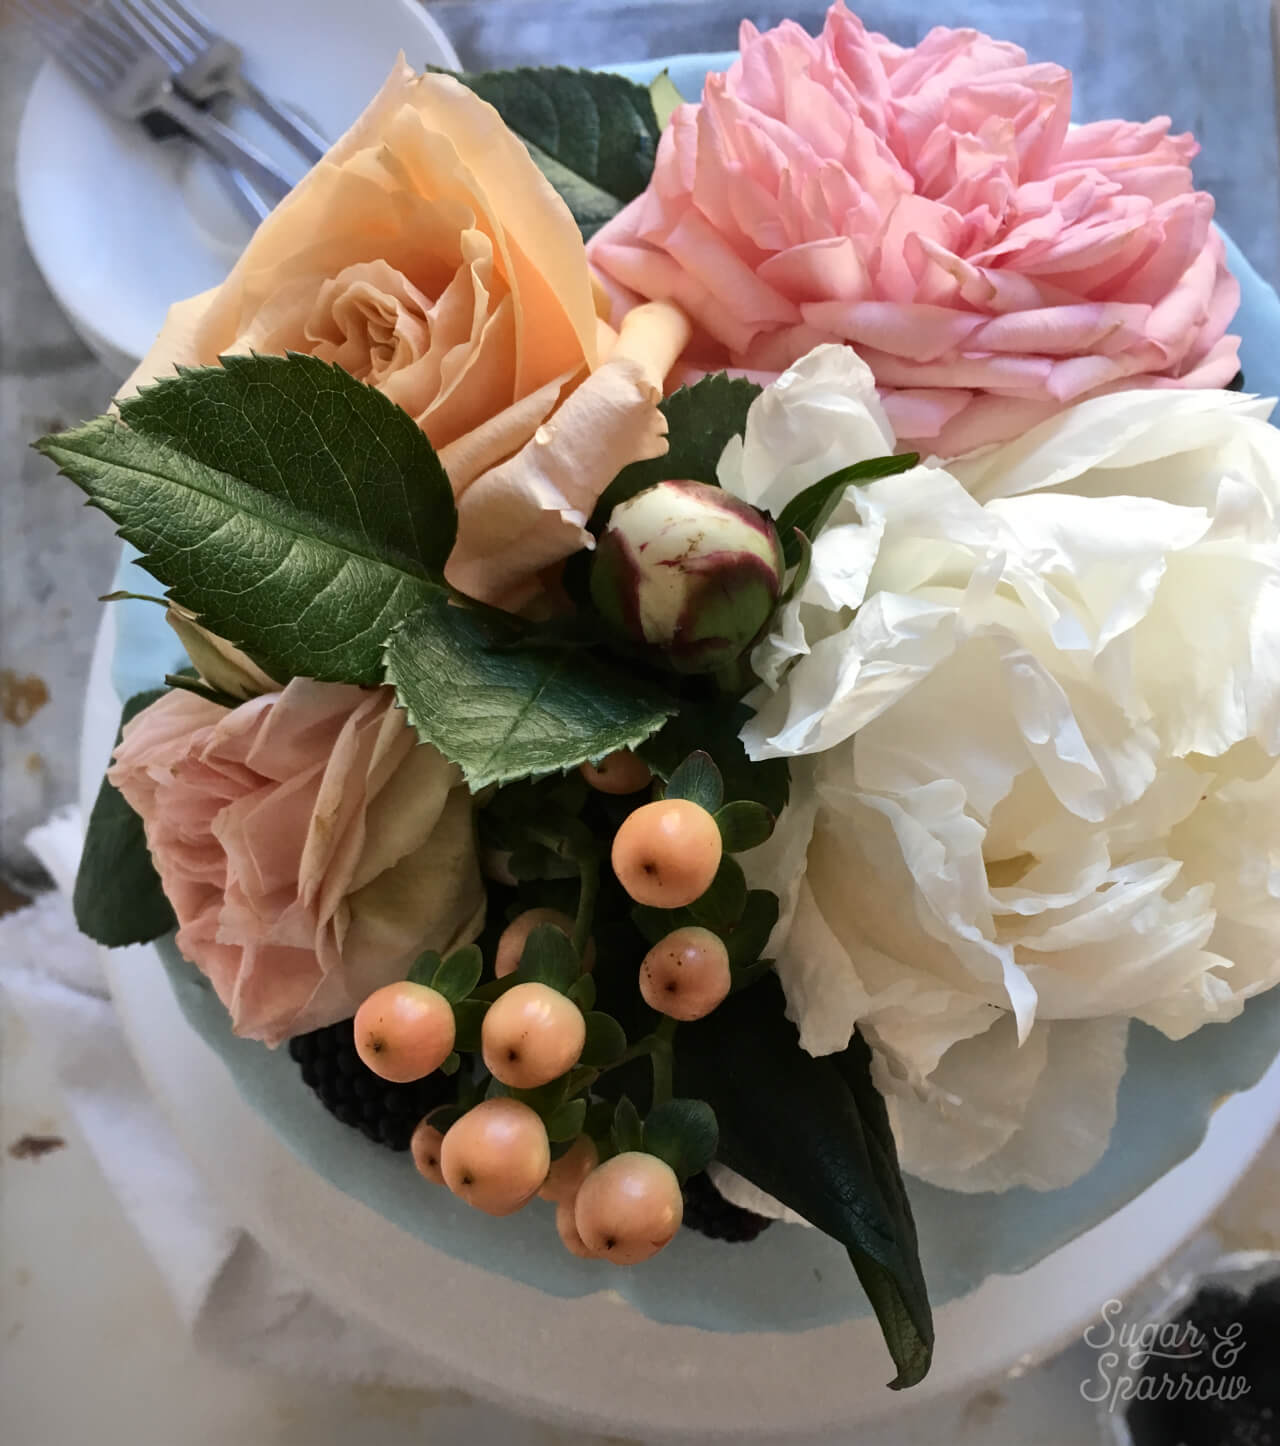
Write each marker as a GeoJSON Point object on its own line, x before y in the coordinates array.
{"type": "Point", "coordinates": [132, 82]}
{"type": "Point", "coordinates": [206, 66]}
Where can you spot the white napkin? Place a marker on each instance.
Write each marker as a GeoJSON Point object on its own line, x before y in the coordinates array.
{"type": "Point", "coordinates": [236, 1302]}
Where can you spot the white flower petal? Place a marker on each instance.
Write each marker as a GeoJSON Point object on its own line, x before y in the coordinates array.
{"type": "Point", "coordinates": [818, 417]}
{"type": "Point", "coordinates": [999, 1116]}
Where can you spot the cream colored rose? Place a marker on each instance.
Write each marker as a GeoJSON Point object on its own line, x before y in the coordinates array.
{"type": "Point", "coordinates": [427, 255]}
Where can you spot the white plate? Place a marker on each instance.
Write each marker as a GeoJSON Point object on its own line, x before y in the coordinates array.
{"type": "Point", "coordinates": [122, 227]}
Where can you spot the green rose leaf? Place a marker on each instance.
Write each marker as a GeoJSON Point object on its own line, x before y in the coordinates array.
{"type": "Point", "coordinates": [459, 974]}
{"type": "Point", "coordinates": [697, 779]}
{"type": "Point", "coordinates": [743, 825]}
{"type": "Point", "coordinates": [118, 899]}
{"type": "Point", "coordinates": [593, 135]}
{"type": "Point", "coordinates": [701, 419]}
{"type": "Point", "coordinates": [684, 1134]}
{"type": "Point", "coordinates": [813, 1133]}
{"type": "Point", "coordinates": [300, 513]}
{"type": "Point", "coordinates": [502, 703]}
{"type": "Point", "coordinates": [809, 511]}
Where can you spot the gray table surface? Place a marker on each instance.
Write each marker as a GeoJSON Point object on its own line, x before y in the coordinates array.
{"type": "Point", "coordinates": [1208, 63]}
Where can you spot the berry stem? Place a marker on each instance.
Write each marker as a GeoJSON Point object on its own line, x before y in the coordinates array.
{"type": "Point", "coordinates": [662, 1054]}
{"type": "Point", "coordinates": [588, 890]}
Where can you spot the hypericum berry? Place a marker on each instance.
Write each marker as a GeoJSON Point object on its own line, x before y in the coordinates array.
{"type": "Point", "coordinates": [629, 1208]}
{"type": "Point", "coordinates": [567, 1229]}
{"type": "Point", "coordinates": [404, 1031]}
{"type": "Point", "coordinates": [532, 1035]}
{"type": "Point", "coordinates": [426, 1145]}
{"type": "Point", "coordinates": [516, 935]}
{"type": "Point", "coordinates": [566, 1175]}
{"type": "Point", "coordinates": [686, 975]}
{"type": "Point", "coordinates": [666, 854]}
{"type": "Point", "coordinates": [496, 1156]}
{"type": "Point", "coordinates": [620, 772]}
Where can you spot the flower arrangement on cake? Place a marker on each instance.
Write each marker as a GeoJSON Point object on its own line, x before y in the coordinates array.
{"type": "Point", "coordinates": [739, 635]}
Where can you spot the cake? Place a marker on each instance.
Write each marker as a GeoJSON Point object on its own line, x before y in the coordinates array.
{"type": "Point", "coordinates": [534, 585]}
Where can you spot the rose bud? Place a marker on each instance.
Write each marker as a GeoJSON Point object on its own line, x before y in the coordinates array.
{"type": "Point", "coordinates": [689, 570]}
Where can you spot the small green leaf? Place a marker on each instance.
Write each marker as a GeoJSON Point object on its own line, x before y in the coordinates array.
{"type": "Point", "coordinates": [743, 825]}
{"type": "Point", "coordinates": [423, 969]}
{"type": "Point", "coordinates": [593, 134]}
{"type": "Point", "coordinates": [606, 1041]}
{"type": "Point", "coordinates": [809, 511]}
{"type": "Point", "coordinates": [300, 513]}
{"type": "Point", "coordinates": [544, 1101]}
{"type": "Point", "coordinates": [721, 906]}
{"type": "Point", "coordinates": [701, 419]}
{"type": "Point", "coordinates": [697, 779]}
{"type": "Point", "coordinates": [583, 993]}
{"type": "Point", "coordinates": [459, 974]}
{"type": "Point", "coordinates": [656, 924]}
{"type": "Point", "coordinates": [599, 1122]}
{"type": "Point", "coordinates": [749, 937]}
{"type": "Point", "coordinates": [566, 1123]}
{"type": "Point", "coordinates": [628, 1131]}
{"type": "Point", "coordinates": [444, 1117]}
{"type": "Point", "coordinates": [451, 1064]}
{"type": "Point", "coordinates": [468, 1019]}
{"type": "Point", "coordinates": [684, 1134]}
{"type": "Point", "coordinates": [666, 98]}
{"type": "Point", "coordinates": [118, 897]}
{"type": "Point", "coordinates": [549, 958]}
{"type": "Point", "coordinates": [714, 727]}
{"type": "Point", "coordinates": [534, 861]}
{"type": "Point", "coordinates": [501, 710]}
{"type": "Point", "coordinates": [745, 975]}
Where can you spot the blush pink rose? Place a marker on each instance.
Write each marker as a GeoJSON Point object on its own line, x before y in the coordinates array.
{"type": "Point", "coordinates": [929, 207]}
{"type": "Point", "coordinates": [310, 846]}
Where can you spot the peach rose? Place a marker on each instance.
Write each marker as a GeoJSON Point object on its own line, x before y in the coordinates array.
{"type": "Point", "coordinates": [427, 255]}
{"type": "Point", "coordinates": [930, 207]}
{"type": "Point", "coordinates": [310, 846]}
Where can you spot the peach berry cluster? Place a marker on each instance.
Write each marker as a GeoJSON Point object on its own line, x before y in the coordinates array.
{"type": "Point", "coordinates": [528, 1119]}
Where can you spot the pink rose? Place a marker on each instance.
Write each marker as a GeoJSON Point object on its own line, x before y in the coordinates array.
{"type": "Point", "coordinates": [930, 207]}
{"type": "Point", "coordinates": [310, 846]}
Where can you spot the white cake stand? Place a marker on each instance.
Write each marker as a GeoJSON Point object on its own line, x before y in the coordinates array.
{"type": "Point", "coordinates": [597, 1363]}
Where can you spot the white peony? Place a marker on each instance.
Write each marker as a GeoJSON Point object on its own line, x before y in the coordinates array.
{"type": "Point", "coordinates": [1033, 700]}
